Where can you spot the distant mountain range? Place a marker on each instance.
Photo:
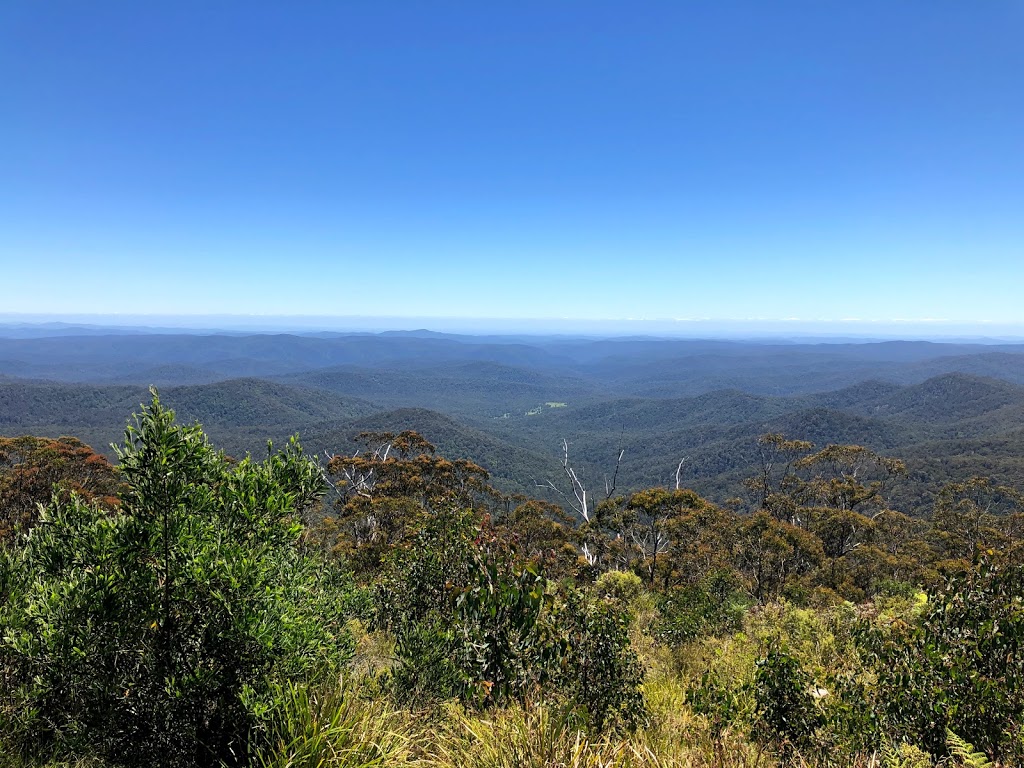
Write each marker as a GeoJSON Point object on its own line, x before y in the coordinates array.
{"type": "Point", "coordinates": [950, 410]}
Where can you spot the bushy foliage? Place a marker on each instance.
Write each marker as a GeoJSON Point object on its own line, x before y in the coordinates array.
{"type": "Point", "coordinates": [785, 712]}
{"type": "Point", "coordinates": [714, 606]}
{"type": "Point", "coordinates": [470, 624]}
{"type": "Point", "coordinates": [509, 646]}
{"type": "Point", "coordinates": [415, 603]}
{"type": "Point", "coordinates": [32, 469]}
{"type": "Point", "coordinates": [960, 666]}
{"type": "Point", "coordinates": [151, 637]}
{"type": "Point", "coordinates": [904, 755]}
{"type": "Point", "coordinates": [187, 622]}
{"type": "Point", "coordinates": [388, 488]}
{"type": "Point", "coordinates": [619, 585]}
{"type": "Point", "coordinates": [600, 672]}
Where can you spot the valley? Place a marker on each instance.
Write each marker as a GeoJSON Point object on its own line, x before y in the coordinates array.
{"type": "Point", "coordinates": [950, 410]}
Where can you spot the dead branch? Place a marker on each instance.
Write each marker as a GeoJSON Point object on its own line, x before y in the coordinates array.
{"type": "Point", "coordinates": [679, 471]}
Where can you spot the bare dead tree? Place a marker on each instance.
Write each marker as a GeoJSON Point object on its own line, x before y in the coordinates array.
{"type": "Point", "coordinates": [358, 477]}
{"type": "Point", "coordinates": [579, 499]}
{"type": "Point", "coordinates": [579, 502]}
{"type": "Point", "coordinates": [679, 471]}
{"type": "Point", "coordinates": [609, 488]}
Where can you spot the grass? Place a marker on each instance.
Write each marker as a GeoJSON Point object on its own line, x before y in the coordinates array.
{"type": "Point", "coordinates": [334, 726]}
{"type": "Point", "coordinates": [353, 723]}
{"type": "Point", "coordinates": [337, 727]}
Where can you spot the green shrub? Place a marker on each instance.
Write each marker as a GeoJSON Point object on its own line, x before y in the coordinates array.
{"type": "Point", "coordinates": [785, 712]}
{"type": "Point", "coordinates": [508, 650]}
{"type": "Point", "coordinates": [619, 585]}
{"type": "Point", "coordinates": [599, 671]}
{"type": "Point", "coordinates": [904, 756]}
{"type": "Point", "coordinates": [427, 669]}
{"type": "Point", "coordinates": [415, 602]}
{"type": "Point", "coordinates": [723, 703]}
{"type": "Point", "coordinates": [959, 666]}
{"type": "Point", "coordinates": [469, 625]}
{"type": "Point", "coordinates": [714, 606]}
{"type": "Point", "coordinates": [151, 637]}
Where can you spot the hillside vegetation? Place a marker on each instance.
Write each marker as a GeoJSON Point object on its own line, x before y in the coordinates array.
{"type": "Point", "coordinates": [952, 411]}
{"type": "Point", "coordinates": [505, 553]}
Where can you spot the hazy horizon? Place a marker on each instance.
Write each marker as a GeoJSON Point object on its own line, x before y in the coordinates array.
{"type": "Point", "coordinates": [849, 329]}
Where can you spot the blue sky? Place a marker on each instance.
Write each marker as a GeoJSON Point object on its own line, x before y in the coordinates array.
{"type": "Point", "coordinates": [824, 161]}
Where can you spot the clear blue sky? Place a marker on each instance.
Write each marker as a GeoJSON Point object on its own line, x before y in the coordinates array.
{"type": "Point", "coordinates": [813, 160]}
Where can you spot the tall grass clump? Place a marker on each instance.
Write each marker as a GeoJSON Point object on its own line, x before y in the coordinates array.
{"type": "Point", "coordinates": [540, 737]}
{"type": "Point", "coordinates": [332, 727]}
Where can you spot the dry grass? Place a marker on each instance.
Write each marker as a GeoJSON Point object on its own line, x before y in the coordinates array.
{"type": "Point", "coordinates": [353, 725]}
{"type": "Point", "coordinates": [335, 728]}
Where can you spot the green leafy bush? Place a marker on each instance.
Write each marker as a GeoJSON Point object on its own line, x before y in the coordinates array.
{"type": "Point", "coordinates": [599, 672]}
{"type": "Point", "coordinates": [509, 652]}
{"type": "Point", "coordinates": [470, 625]}
{"type": "Point", "coordinates": [714, 606]}
{"type": "Point", "coordinates": [151, 637]}
{"type": "Point", "coordinates": [959, 666]}
{"type": "Point", "coordinates": [785, 712]}
{"type": "Point", "coordinates": [415, 603]}
{"type": "Point", "coordinates": [723, 703]}
{"type": "Point", "coordinates": [619, 585]}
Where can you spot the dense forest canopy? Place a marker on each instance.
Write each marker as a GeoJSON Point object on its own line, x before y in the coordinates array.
{"type": "Point", "coordinates": [950, 411]}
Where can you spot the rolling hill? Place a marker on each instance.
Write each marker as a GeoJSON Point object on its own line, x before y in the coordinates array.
{"type": "Point", "coordinates": [508, 403]}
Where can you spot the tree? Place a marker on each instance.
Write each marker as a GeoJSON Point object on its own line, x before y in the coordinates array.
{"type": "Point", "coordinates": [386, 488]}
{"type": "Point", "coordinates": [584, 505]}
{"type": "Point", "coordinates": [656, 528]}
{"type": "Point", "coordinates": [153, 637]}
{"type": "Point", "coordinates": [837, 494]}
{"type": "Point", "coordinates": [768, 552]}
{"type": "Point", "coordinates": [846, 478]}
{"type": "Point", "coordinates": [32, 469]}
{"type": "Point", "coordinates": [770, 485]}
{"type": "Point", "coordinates": [537, 532]}
{"type": "Point", "coordinates": [898, 552]}
{"type": "Point", "coordinates": [974, 514]}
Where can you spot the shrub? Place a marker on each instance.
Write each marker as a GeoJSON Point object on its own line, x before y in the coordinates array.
{"type": "Point", "coordinates": [619, 585]}
{"type": "Point", "coordinates": [959, 666]}
{"type": "Point", "coordinates": [785, 713]}
{"type": "Point", "coordinates": [714, 606]}
{"type": "Point", "coordinates": [600, 673]}
{"type": "Point", "coordinates": [415, 603]}
{"type": "Point", "coordinates": [508, 651]}
{"type": "Point", "coordinates": [427, 667]}
{"type": "Point", "coordinates": [152, 637]}
{"type": "Point", "coordinates": [724, 704]}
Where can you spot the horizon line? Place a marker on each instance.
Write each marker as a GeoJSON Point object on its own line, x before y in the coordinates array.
{"type": "Point", "coordinates": [64, 316]}
{"type": "Point", "coordinates": [704, 329]}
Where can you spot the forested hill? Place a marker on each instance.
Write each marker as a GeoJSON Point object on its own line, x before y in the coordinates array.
{"type": "Point", "coordinates": [950, 410]}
